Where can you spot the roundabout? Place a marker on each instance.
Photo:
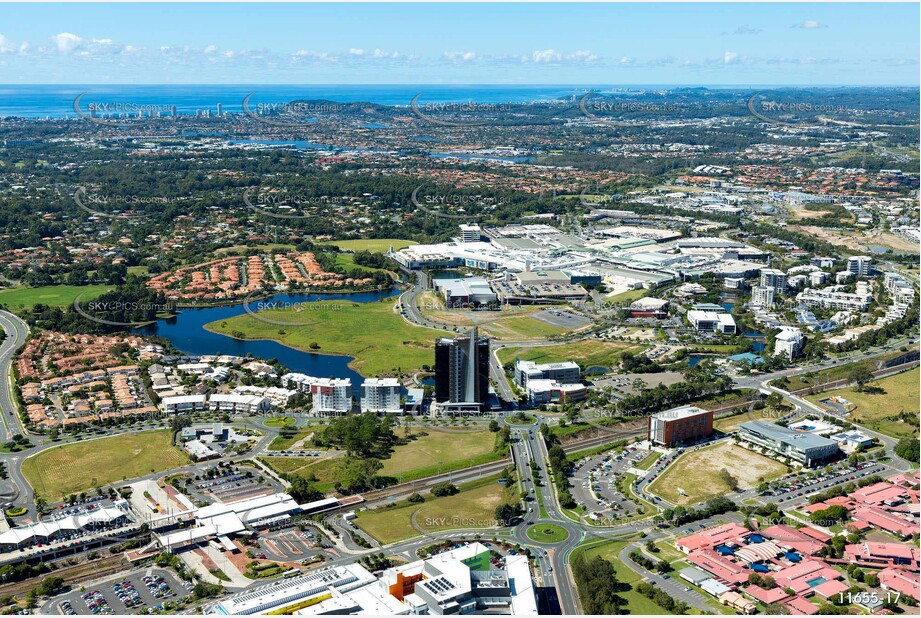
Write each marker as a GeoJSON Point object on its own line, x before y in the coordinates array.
{"type": "Point", "coordinates": [543, 532]}
{"type": "Point", "coordinates": [280, 422]}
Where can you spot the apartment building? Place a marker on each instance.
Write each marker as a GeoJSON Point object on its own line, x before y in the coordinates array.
{"type": "Point", "coordinates": [381, 396]}
{"type": "Point", "coordinates": [774, 279]}
{"type": "Point", "coordinates": [331, 396]}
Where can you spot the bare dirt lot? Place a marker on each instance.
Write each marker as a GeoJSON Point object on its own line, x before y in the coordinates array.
{"type": "Point", "coordinates": [695, 476]}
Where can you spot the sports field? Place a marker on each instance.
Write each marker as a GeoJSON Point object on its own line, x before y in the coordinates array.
{"type": "Point", "coordinates": [53, 295]}
{"type": "Point", "coordinates": [473, 508]}
{"type": "Point", "coordinates": [374, 245]}
{"type": "Point", "coordinates": [889, 406]}
{"type": "Point", "coordinates": [695, 476]}
{"type": "Point", "coordinates": [341, 327]}
{"type": "Point", "coordinates": [73, 468]}
{"type": "Point", "coordinates": [587, 352]}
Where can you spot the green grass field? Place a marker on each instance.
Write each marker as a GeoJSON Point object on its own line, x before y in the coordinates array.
{"type": "Point", "coordinates": [627, 297]}
{"type": "Point", "coordinates": [695, 476]}
{"type": "Point", "coordinates": [53, 296]}
{"type": "Point", "coordinates": [517, 328]}
{"type": "Point", "coordinates": [437, 452]}
{"type": "Point", "coordinates": [647, 461]}
{"type": "Point", "coordinates": [441, 451]}
{"type": "Point", "coordinates": [473, 507]}
{"type": "Point", "coordinates": [279, 421]}
{"type": "Point", "coordinates": [284, 442]}
{"type": "Point", "coordinates": [341, 327]}
{"type": "Point", "coordinates": [346, 261]}
{"type": "Point", "coordinates": [636, 603]}
{"type": "Point", "coordinates": [547, 533]}
{"type": "Point", "coordinates": [588, 353]}
{"type": "Point", "coordinates": [73, 468]}
{"type": "Point", "coordinates": [375, 245]}
{"type": "Point", "coordinates": [323, 473]}
{"type": "Point", "coordinates": [880, 410]}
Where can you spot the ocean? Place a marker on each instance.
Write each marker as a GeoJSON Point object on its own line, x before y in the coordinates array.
{"type": "Point", "coordinates": [57, 101]}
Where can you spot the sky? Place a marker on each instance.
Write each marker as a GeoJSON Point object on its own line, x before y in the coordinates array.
{"type": "Point", "coordinates": [513, 43]}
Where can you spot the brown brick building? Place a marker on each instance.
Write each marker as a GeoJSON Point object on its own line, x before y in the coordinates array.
{"type": "Point", "coordinates": [679, 426]}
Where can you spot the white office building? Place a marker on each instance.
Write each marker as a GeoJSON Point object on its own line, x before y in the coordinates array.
{"type": "Point", "coordinates": [331, 396]}
{"type": "Point", "coordinates": [566, 372]}
{"type": "Point", "coordinates": [381, 396]}
{"type": "Point", "coordinates": [788, 342]}
{"type": "Point", "coordinates": [470, 233]}
{"type": "Point", "coordinates": [712, 322]}
{"type": "Point", "coordinates": [775, 279]}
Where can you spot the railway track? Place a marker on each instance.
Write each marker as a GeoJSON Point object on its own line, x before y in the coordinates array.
{"type": "Point", "coordinates": [73, 575]}
{"type": "Point", "coordinates": [405, 489]}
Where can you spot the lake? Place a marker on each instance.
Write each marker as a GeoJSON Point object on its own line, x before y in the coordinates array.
{"type": "Point", "coordinates": [186, 333]}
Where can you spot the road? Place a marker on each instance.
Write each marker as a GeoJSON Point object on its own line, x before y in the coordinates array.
{"type": "Point", "coordinates": [16, 332]}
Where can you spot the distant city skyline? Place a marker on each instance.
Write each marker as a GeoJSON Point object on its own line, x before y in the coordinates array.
{"type": "Point", "coordinates": [624, 44]}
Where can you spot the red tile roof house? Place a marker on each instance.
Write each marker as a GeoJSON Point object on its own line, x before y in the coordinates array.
{"type": "Point", "coordinates": [708, 539]}
{"type": "Point", "coordinates": [887, 521]}
{"type": "Point", "coordinates": [880, 493]}
{"type": "Point", "coordinates": [800, 606]}
{"type": "Point", "coordinates": [797, 540]}
{"type": "Point", "coordinates": [831, 589]}
{"type": "Point", "coordinates": [818, 535]}
{"type": "Point", "coordinates": [902, 581]}
{"type": "Point", "coordinates": [773, 595]}
{"type": "Point", "coordinates": [723, 569]}
{"type": "Point", "coordinates": [799, 576]}
{"type": "Point", "coordinates": [881, 555]}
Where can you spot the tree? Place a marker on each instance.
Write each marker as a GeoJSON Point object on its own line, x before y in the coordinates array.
{"type": "Point", "coordinates": [506, 513]}
{"type": "Point", "coordinates": [860, 374]}
{"type": "Point", "coordinates": [302, 491]}
{"type": "Point", "coordinates": [731, 481]}
{"type": "Point", "coordinates": [909, 449]}
{"type": "Point", "coordinates": [444, 489]}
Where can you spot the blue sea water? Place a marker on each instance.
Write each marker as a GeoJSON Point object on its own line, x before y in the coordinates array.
{"type": "Point", "coordinates": [57, 101]}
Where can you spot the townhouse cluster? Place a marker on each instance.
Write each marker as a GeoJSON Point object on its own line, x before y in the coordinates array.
{"type": "Point", "coordinates": [236, 277]}
{"type": "Point", "coordinates": [75, 379]}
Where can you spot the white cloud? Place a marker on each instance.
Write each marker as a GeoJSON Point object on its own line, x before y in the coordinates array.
{"type": "Point", "coordinates": [304, 54]}
{"type": "Point", "coordinates": [356, 51]}
{"type": "Point", "coordinates": [379, 53]}
{"type": "Point", "coordinates": [545, 56]}
{"type": "Point", "coordinates": [460, 56]}
{"type": "Point", "coordinates": [730, 57]}
{"type": "Point", "coordinates": [66, 42]}
{"type": "Point", "coordinates": [6, 46]}
{"type": "Point", "coordinates": [810, 24]}
{"type": "Point", "coordinates": [210, 49]}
